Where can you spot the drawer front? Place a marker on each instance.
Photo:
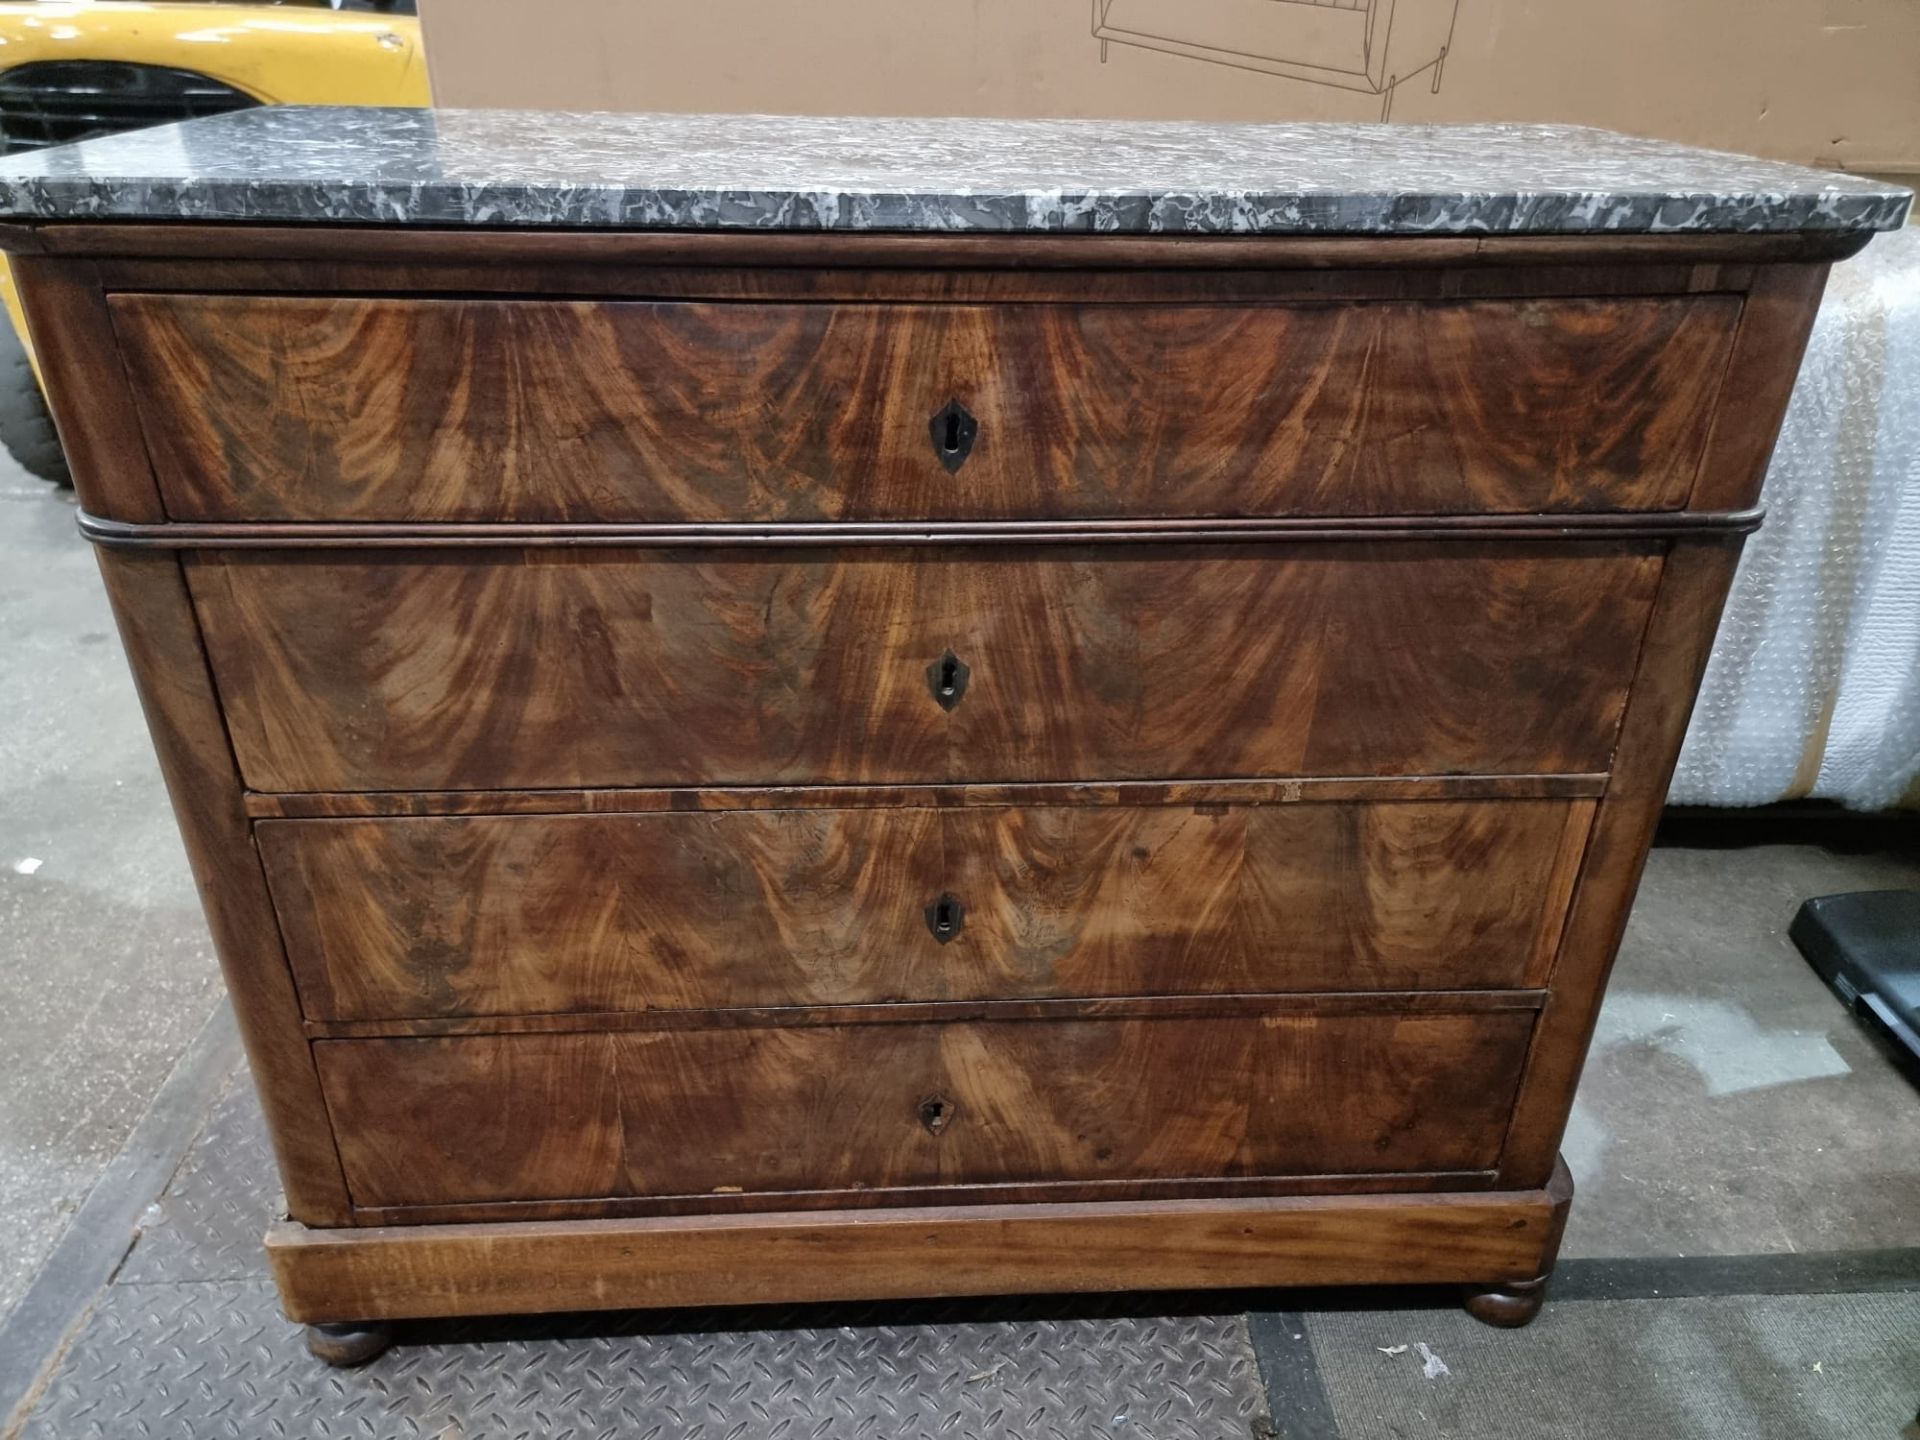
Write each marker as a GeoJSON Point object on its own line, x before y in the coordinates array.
{"type": "Point", "coordinates": [559, 669]}
{"type": "Point", "coordinates": [551, 1117]}
{"type": "Point", "coordinates": [502, 915]}
{"type": "Point", "coordinates": [369, 409]}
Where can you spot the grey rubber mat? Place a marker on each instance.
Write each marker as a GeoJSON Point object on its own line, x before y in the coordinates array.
{"type": "Point", "coordinates": [1735, 1367]}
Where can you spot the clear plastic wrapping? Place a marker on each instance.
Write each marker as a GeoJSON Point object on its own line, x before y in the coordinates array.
{"type": "Point", "coordinates": [1814, 685]}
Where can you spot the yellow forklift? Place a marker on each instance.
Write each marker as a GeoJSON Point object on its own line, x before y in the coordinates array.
{"type": "Point", "coordinates": [77, 69]}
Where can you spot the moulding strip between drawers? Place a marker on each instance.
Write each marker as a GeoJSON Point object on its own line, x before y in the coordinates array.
{"type": "Point", "coordinates": [427, 804]}
{"type": "Point", "coordinates": [311, 535]}
{"type": "Point", "coordinates": [926, 1012]}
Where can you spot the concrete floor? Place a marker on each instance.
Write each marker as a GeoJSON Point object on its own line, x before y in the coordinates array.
{"type": "Point", "coordinates": [106, 971]}
{"type": "Point", "coordinates": [1731, 1106]}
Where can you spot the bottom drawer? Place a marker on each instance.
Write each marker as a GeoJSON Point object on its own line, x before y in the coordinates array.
{"type": "Point", "coordinates": [909, 1104]}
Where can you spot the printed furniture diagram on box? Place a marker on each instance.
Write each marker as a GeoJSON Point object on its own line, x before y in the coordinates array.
{"type": "Point", "coordinates": [1373, 46]}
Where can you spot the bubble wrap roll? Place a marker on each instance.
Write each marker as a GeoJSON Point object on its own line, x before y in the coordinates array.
{"type": "Point", "coordinates": [1814, 685]}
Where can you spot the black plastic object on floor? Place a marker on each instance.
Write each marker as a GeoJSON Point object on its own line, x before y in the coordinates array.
{"type": "Point", "coordinates": [1867, 947]}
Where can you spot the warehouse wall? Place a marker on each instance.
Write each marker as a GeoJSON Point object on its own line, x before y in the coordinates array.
{"type": "Point", "coordinates": [1828, 82]}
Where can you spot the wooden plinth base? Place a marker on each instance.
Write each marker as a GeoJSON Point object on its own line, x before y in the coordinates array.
{"type": "Point", "coordinates": [1486, 1239]}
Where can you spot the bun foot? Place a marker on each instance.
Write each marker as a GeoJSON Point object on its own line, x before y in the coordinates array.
{"type": "Point", "coordinates": [1509, 1306]}
{"type": "Point", "coordinates": [344, 1346]}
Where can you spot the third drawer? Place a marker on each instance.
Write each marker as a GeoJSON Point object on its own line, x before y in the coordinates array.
{"type": "Point", "coordinates": [426, 917]}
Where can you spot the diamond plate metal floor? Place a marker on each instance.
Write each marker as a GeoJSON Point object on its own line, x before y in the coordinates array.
{"type": "Point", "coordinates": [214, 1358]}
{"type": "Point", "coordinates": [208, 1223]}
{"type": "Point", "coordinates": [188, 1341]}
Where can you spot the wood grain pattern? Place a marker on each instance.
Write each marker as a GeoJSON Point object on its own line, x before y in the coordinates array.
{"type": "Point", "coordinates": [377, 409]}
{"type": "Point", "coordinates": [1054, 1192]}
{"type": "Point", "coordinates": [87, 392]}
{"type": "Point", "coordinates": [156, 624]}
{"type": "Point", "coordinates": [1775, 324]}
{"type": "Point", "coordinates": [1358, 762]}
{"type": "Point", "coordinates": [443, 1270]}
{"type": "Point", "coordinates": [667, 1113]}
{"type": "Point", "coordinates": [1311, 790]}
{"type": "Point", "coordinates": [534, 670]}
{"type": "Point", "coordinates": [389, 919]}
{"type": "Point", "coordinates": [1679, 640]}
{"type": "Point", "coordinates": [1307, 1003]}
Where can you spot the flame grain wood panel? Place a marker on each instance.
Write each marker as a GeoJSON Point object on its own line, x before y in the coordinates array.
{"type": "Point", "coordinates": [558, 669]}
{"type": "Point", "coordinates": [537, 1117]}
{"type": "Point", "coordinates": [503, 915]}
{"type": "Point", "coordinates": [384, 409]}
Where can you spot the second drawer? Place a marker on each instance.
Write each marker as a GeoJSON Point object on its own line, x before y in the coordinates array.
{"type": "Point", "coordinates": [511, 669]}
{"type": "Point", "coordinates": [502, 915]}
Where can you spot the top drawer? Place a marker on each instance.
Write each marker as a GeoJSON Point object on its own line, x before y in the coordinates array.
{"type": "Point", "coordinates": [262, 408]}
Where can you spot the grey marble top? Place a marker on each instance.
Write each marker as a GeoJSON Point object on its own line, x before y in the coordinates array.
{"type": "Point", "coordinates": [497, 167]}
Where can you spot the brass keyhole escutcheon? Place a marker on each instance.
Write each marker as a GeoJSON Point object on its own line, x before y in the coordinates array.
{"type": "Point", "coordinates": [947, 679]}
{"type": "Point", "coordinates": [946, 917]}
{"type": "Point", "coordinates": [936, 1112]}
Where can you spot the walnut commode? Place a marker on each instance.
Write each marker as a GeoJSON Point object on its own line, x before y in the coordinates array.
{"type": "Point", "coordinates": [738, 766]}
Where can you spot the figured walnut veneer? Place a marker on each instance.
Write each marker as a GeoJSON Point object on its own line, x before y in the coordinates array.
{"type": "Point", "coordinates": [504, 915]}
{"type": "Point", "coordinates": [675, 835]}
{"type": "Point", "coordinates": [510, 670]}
{"type": "Point", "coordinates": [887, 1106]}
{"type": "Point", "coordinates": [324, 409]}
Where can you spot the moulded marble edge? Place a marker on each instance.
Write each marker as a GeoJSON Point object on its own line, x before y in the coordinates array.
{"type": "Point", "coordinates": [1217, 213]}
{"type": "Point", "coordinates": [297, 164]}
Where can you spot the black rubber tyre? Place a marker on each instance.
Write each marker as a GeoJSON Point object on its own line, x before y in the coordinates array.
{"type": "Point", "coordinates": [26, 429]}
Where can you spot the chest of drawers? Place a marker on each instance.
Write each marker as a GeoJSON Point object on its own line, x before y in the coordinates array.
{"type": "Point", "coordinates": [730, 765]}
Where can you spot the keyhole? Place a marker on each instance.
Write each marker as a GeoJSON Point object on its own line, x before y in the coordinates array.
{"type": "Point", "coordinates": [953, 430]}
{"type": "Point", "coordinates": [947, 680]}
{"type": "Point", "coordinates": [936, 1113]}
{"type": "Point", "coordinates": [946, 918]}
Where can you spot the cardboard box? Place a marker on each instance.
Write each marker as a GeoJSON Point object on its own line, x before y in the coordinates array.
{"type": "Point", "coordinates": [1826, 82]}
